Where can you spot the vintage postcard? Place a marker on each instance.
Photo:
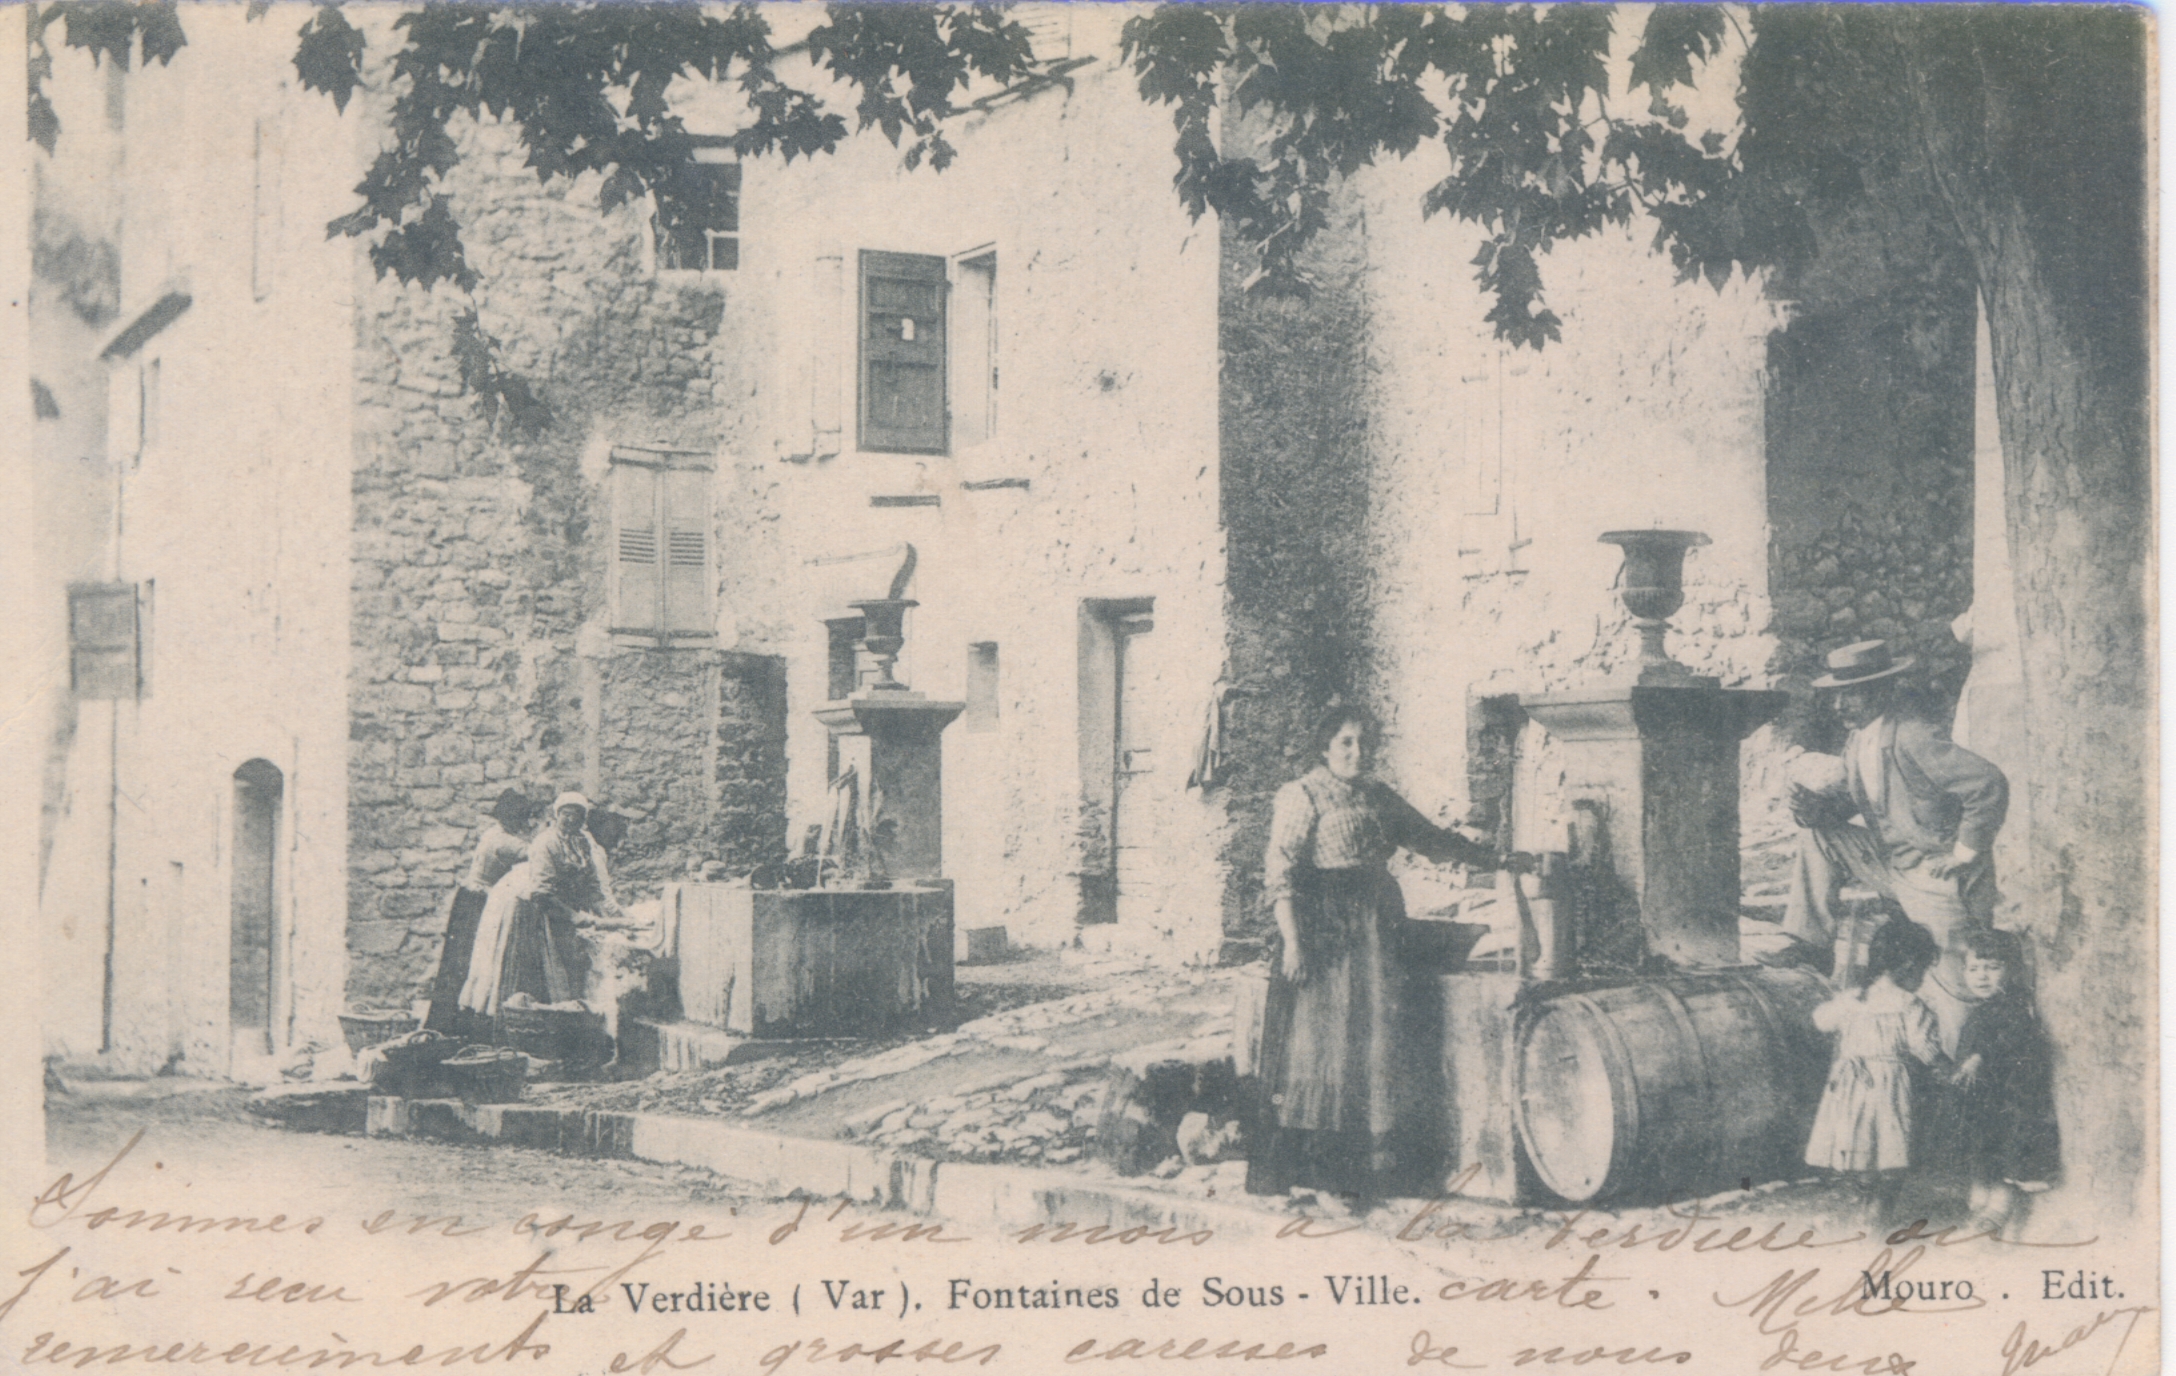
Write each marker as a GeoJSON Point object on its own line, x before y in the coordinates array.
{"type": "Point", "coordinates": [757, 688]}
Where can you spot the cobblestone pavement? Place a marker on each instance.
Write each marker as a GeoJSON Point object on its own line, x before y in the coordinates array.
{"type": "Point", "coordinates": [1020, 1080]}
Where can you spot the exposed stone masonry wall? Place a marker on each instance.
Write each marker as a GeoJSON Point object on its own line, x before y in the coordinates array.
{"type": "Point", "coordinates": [693, 746]}
{"type": "Point", "coordinates": [1293, 432]}
{"type": "Point", "coordinates": [1870, 461]}
{"type": "Point", "coordinates": [480, 659]}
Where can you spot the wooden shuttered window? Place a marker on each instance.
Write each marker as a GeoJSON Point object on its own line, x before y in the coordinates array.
{"type": "Point", "coordinates": [903, 352]}
{"type": "Point", "coordinates": [661, 580]}
{"type": "Point", "coordinates": [105, 641]}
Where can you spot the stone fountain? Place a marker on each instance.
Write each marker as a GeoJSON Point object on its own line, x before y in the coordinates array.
{"type": "Point", "coordinates": [1653, 765]}
{"type": "Point", "coordinates": [859, 954]}
{"type": "Point", "coordinates": [1647, 1062]}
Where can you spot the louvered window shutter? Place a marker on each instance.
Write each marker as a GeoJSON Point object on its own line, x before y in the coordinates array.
{"type": "Point", "coordinates": [687, 551]}
{"type": "Point", "coordinates": [903, 352]}
{"type": "Point", "coordinates": [103, 640]}
{"type": "Point", "coordinates": [637, 573]}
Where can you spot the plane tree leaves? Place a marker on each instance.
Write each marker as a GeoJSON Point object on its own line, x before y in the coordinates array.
{"type": "Point", "coordinates": [1309, 96]}
{"type": "Point", "coordinates": [107, 29]}
{"type": "Point", "coordinates": [329, 55]}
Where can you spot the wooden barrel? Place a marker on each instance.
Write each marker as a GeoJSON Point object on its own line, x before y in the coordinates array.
{"type": "Point", "coordinates": [1671, 1087]}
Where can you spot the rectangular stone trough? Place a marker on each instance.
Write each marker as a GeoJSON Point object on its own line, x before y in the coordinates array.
{"type": "Point", "coordinates": [814, 962]}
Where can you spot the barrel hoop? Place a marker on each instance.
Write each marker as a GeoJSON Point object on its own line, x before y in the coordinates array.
{"type": "Point", "coordinates": [1690, 1030]}
{"type": "Point", "coordinates": [1625, 1105]}
{"type": "Point", "coordinates": [1780, 1054]}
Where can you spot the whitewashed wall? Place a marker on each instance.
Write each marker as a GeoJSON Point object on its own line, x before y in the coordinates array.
{"type": "Point", "coordinates": [1494, 470]}
{"type": "Point", "coordinates": [1107, 409]}
{"type": "Point", "coordinates": [233, 513]}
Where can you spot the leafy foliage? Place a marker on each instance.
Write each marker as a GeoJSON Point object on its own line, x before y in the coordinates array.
{"type": "Point", "coordinates": [588, 89]}
{"type": "Point", "coordinates": [115, 29]}
{"type": "Point", "coordinates": [503, 394]}
{"type": "Point", "coordinates": [909, 61]}
{"type": "Point", "coordinates": [1514, 93]}
{"type": "Point", "coordinates": [1519, 97]}
{"type": "Point", "coordinates": [329, 57]}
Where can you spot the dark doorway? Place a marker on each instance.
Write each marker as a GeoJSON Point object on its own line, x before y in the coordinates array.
{"type": "Point", "coordinates": [1115, 757]}
{"type": "Point", "coordinates": [258, 787]}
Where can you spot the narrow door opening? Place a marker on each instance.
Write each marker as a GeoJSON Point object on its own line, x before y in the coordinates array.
{"type": "Point", "coordinates": [1113, 753]}
{"type": "Point", "coordinates": [258, 789]}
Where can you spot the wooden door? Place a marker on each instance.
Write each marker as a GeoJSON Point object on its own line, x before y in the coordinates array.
{"type": "Point", "coordinates": [1142, 773]}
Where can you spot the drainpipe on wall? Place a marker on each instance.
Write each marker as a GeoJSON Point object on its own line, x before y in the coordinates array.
{"type": "Point", "coordinates": [113, 870]}
{"type": "Point", "coordinates": [283, 965]}
{"type": "Point", "coordinates": [113, 789]}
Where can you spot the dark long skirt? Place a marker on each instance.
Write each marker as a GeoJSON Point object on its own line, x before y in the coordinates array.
{"type": "Point", "coordinates": [1327, 1114]}
{"type": "Point", "coordinates": [463, 908]}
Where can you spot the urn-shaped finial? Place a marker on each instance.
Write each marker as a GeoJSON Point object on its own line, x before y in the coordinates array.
{"type": "Point", "coordinates": [884, 634]}
{"type": "Point", "coordinates": [1652, 586]}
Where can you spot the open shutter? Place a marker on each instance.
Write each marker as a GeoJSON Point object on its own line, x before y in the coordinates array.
{"type": "Point", "coordinates": [102, 640]}
{"type": "Point", "coordinates": [687, 551]}
{"type": "Point", "coordinates": [902, 352]}
{"type": "Point", "coordinates": [637, 575]}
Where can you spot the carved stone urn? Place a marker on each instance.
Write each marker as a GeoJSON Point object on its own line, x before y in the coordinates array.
{"type": "Point", "coordinates": [1652, 587]}
{"type": "Point", "coordinates": [884, 634]}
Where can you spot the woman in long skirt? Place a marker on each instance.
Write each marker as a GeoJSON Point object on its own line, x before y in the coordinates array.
{"type": "Point", "coordinates": [504, 844]}
{"type": "Point", "coordinates": [1330, 1062]}
{"type": "Point", "coordinates": [525, 940]}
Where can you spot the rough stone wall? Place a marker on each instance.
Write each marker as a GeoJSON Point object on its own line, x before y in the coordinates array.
{"type": "Point", "coordinates": [1870, 460]}
{"type": "Point", "coordinates": [1293, 422]}
{"type": "Point", "coordinates": [480, 657]}
{"type": "Point", "coordinates": [693, 744]}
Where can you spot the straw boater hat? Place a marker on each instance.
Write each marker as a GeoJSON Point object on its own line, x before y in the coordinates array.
{"type": "Point", "coordinates": [1863, 662]}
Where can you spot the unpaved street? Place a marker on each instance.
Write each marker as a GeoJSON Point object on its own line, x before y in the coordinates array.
{"type": "Point", "coordinates": [193, 1129]}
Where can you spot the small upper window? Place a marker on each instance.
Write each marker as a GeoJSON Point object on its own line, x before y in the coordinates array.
{"type": "Point", "coordinates": [105, 640]}
{"type": "Point", "coordinates": [697, 224]}
{"type": "Point", "coordinates": [981, 711]}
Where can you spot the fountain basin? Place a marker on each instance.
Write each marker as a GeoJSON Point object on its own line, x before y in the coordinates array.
{"type": "Point", "coordinates": [827, 962]}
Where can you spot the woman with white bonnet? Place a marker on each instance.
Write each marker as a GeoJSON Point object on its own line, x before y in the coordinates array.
{"type": "Point", "coordinates": [526, 942]}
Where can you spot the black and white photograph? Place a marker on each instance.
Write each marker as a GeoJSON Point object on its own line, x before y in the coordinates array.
{"type": "Point", "coordinates": [752, 686]}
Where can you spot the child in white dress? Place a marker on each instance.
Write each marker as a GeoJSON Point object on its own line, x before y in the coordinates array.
{"type": "Point", "coordinates": [1864, 1124]}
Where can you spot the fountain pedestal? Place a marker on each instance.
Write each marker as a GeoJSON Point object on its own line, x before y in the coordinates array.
{"type": "Point", "coordinates": [893, 737]}
{"type": "Point", "coordinates": [1655, 770]}
{"type": "Point", "coordinates": [895, 740]}
{"type": "Point", "coordinates": [1651, 769]}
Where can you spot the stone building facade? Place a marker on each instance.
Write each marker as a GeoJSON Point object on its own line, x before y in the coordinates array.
{"type": "Point", "coordinates": [487, 649]}
{"type": "Point", "coordinates": [1149, 514]}
{"type": "Point", "coordinates": [193, 334]}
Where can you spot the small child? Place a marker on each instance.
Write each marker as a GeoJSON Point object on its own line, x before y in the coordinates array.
{"type": "Point", "coordinates": [1864, 1124]}
{"type": "Point", "coordinates": [1994, 1121]}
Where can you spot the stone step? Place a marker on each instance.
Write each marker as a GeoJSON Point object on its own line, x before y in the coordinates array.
{"type": "Point", "coordinates": [647, 1046]}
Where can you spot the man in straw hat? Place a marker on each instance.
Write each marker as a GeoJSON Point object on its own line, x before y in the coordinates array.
{"type": "Point", "coordinates": [1930, 810]}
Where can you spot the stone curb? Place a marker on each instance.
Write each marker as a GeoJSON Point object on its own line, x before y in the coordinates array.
{"type": "Point", "coordinates": [1007, 1198]}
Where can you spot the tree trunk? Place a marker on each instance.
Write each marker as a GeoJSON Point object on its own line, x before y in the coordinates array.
{"type": "Point", "coordinates": [2059, 253]}
{"type": "Point", "coordinates": [2079, 521]}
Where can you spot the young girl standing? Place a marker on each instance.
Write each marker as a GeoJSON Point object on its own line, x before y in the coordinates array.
{"type": "Point", "coordinates": [1995, 1122]}
{"type": "Point", "coordinates": [1864, 1124]}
